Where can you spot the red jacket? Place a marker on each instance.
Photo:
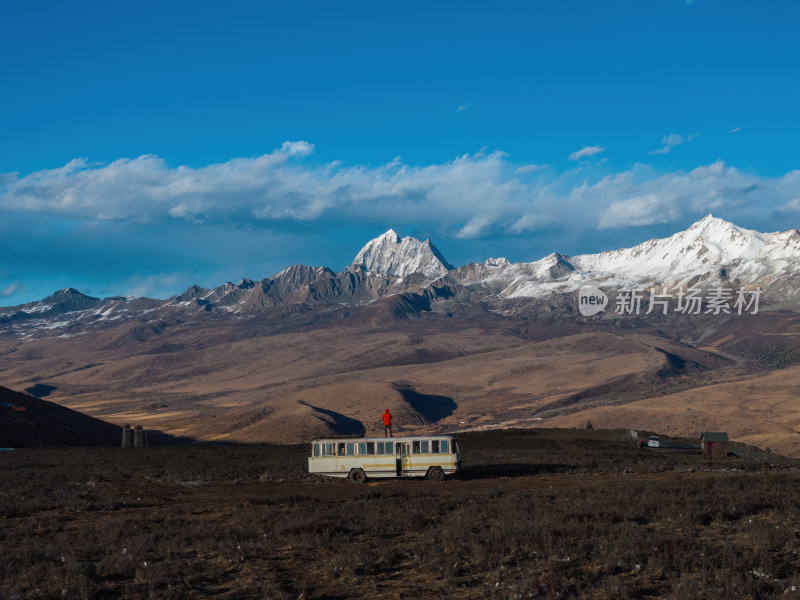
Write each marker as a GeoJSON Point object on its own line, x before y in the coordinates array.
{"type": "Point", "coordinates": [387, 418]}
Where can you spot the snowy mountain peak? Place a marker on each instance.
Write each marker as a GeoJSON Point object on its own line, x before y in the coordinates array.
{"type": "Point", "coordinates": [392, 255]}
{"type": "Point", "coordinates": [723, 239]}
{"type": "Point", "coordinates": [711, 225]}
{"type": "Point", "coordinates": [66, 293]}
{"type": "Point", "coordinates": [496, 262]}
{"type": "Point", "coordinates": [711, 253]}
{"type": "Point", "coordinates": [390, 234]}
{"type": "Point", "coordinates": [707, 220]}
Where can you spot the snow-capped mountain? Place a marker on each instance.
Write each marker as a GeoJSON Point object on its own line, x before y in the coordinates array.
{"type": "Point", "coordinates": [401, 257]}
{"type": "Point", "coordinates": [709, 245]}
{"type": "Point", "coordinates": [711, 252]}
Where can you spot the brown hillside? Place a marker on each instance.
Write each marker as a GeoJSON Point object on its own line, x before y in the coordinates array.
{"type": "Point", "coordinates": [29, 421]}
{"type": "Point", "coordinates": [292, 373]}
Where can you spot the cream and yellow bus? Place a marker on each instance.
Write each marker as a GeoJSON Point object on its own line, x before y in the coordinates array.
{"type": "Point", "coordinates": [359, 459]}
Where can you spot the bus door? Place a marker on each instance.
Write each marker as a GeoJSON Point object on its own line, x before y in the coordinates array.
{"type": "Point", "coordinates": [402, 457]}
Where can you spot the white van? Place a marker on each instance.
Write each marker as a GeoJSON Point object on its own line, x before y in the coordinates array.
{"type": "Point", "coordinates": [361, 458]}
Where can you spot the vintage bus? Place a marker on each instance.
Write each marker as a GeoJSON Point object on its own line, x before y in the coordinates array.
{"type": "Point", "coordinates": [359, 459]}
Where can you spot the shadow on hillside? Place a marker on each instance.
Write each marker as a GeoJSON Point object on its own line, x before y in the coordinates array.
{"type": "Point", "coordinates": [339, 423]}
{"type": "Point", "coordinates": [432, 408]}
{"type": "Point", "coordinates": [156, 437]}
{"type": "Point", "coordinates": [40, 390]}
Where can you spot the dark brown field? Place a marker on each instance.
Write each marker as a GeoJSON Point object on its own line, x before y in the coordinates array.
{"type": "Point", "coordinates": [535, 514]}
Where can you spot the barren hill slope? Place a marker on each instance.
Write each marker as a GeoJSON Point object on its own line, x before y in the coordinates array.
{"type": "Point", "coordinates": [286, 377]}
{"type": "Point", "coordinates": [28, 421]}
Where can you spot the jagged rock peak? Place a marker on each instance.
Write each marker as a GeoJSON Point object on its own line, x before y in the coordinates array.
{"type": "Point", "coordinates": [707, 246]}
{"type": "Point", "coordinates": [303, 271]}
{"type": "Point", "coordinates": [401, 257]}
{"type": "Point", "coordinates": [190, 293]}
{"type": "Point", "coordinates": [297, 277]}
{"type": "Point", "coordinates": [723, 238]}
{"type": "Point", "coordinates": [711, 221]}
{"type": "Point", "coordinates": [68, 293]}
{"type": "Point", "coordinates": [716, 227]}
{"type": "Point", "coordinates": [497, 262]}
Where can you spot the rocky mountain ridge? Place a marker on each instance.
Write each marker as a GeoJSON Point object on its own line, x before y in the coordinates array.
{"type": "Point", "coordinates": [310, 351]}
{"type": "Point", "coordinates": [401, 257]}
{"type": "Point", "coordinates": [711, 252]}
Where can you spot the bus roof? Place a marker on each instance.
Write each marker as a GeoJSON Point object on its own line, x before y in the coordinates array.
{"type": "Point", "coordinates": [405, 438]}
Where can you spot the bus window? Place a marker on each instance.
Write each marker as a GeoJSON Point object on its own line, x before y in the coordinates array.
{"type": "Point", "coordinates": [366, 447]}
{"type": "Point", "coordinates": [446, 446]}
{"type": "Point", "coordinates": [351, 448]}
{"type": "Point", "coordinates": [424, 446]}
{"type": "Point", "coordinates": [435, 446]}
{"type": "Point", "coordinates": [316, 449]}
{"type": "Point", "coordinates": [385, 448]}
{"type": "Point", "coordinates": [327, 449]}
{"type": "Point", "coordinates": [370, 447]}
{"type": "Point", "coordinates": [415, 448]}
{"type": "Point", "coordinates": [340, 451]}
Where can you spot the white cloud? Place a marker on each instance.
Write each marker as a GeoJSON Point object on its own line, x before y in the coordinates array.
{"type": "Point", "coordinates": [530, 222]}
{"type": "Point", "coordinates": [463, 107]}
{"type": "Point", "coordinates": [586, 151]}
{"type": "Point", "coordinates": [471, 196]}
{"type": "Point", "coordinates": [12, 289]}
{"type": "Point", "coordinates": [154, 286]}
{"type": "Point", "coordinates": [475, 227]}
{"type": "Point", "coordinates": [735, 130]}
{"type": "Point", "coordinates": [639, 210]}
{"type": "Point", "coordinates": [669, 142]}
{"type": "Point", "coordinates": [642, 197]}
{"type": "Point", "coordinates": [673, 139]}
{"type": "Point", "coordinates": [524, 169]}
{"type": "Point", "coordinates": [792, 205]}
{"type": "Point", "coordinates": [272, 187]}
{"type": "Point", "coordinates": [297, 148]}
{"type": "Point", "coordinates": [146, 188]}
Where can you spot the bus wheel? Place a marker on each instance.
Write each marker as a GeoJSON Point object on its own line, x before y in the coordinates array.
{"type": "Point", "coordinates": [357, 476]}
{"type": "Point", "coordinates": [435, 474]}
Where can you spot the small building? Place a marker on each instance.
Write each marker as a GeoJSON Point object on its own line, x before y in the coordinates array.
{"type": "Point", "coordinates": [714, 443]}
{"type": "Point", "coordinates": [127, 436]}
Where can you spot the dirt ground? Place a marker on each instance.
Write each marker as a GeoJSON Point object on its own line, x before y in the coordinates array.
{"type": "Point", "coordinates": [534, 514]}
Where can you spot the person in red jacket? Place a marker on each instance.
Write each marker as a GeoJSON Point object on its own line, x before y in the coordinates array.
{"type": "Point", "coordinates": [387, 423]}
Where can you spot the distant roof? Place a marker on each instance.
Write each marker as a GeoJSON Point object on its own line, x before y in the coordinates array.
{"type": "Point", "coordinates": [715, 436]}
{"type": "Point", "coordinates": [404, 438]}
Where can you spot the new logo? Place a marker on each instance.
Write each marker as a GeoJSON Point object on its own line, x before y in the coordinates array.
{"type": "Point", "coordinates": [591, 300]}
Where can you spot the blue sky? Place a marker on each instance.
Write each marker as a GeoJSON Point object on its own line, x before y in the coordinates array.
{"type": "Point", "coordinates": [145, 147]}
